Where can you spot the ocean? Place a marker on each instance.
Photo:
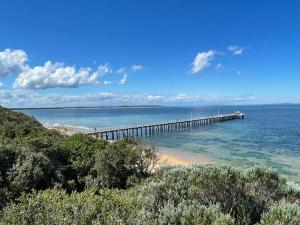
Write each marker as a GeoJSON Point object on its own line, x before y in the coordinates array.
{"type": "Point", "coordinates": [269, 135]}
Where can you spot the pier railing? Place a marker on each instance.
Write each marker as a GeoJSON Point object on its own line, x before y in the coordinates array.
{"type": "Point", "coordinates": [143, 130]}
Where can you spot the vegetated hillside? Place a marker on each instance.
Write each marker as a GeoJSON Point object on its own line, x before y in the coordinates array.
{"type": "Point", "coordinates": [18, 125]}
{"type": "Point", "coordinates": [47, 178]}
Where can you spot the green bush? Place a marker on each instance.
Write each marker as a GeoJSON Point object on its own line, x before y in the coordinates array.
{"type": "Point", "coordinates": [205, 185]}
{"type": "Point", "coordinates": [265, 186]}
{"type": "Point", "coordinates": [122, 162]}
{"type": "Point", "coordinates": [230, 188]}
{"type": "Point", "coordinates": [31, 171]}
{"type": "Point", "coordinates": [57, 207]}
{"type": "Point", "coordinates": [82, 150]}
{"type": "Point", "coordinates": [282, 214]}
{"type": "Point", "coordinates": [192, 213]}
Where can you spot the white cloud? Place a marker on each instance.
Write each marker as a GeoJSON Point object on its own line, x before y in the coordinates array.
{"type": "Point", "coordinates": [202, 60]}
{"type": "Point", "coordinates": [136, 68]}
{"type": "Point", "coordinates": [236, 50]}
{"type": "Point", "coordinates": [219, 67]}
{"type": "Point", "coordinates": [12, 62]}
{"type": "Point", "coordinates": [121, 70]}
{"type": "Point", "coordinates": [125, 71]}
{"type": "Point", "coordinates": [124, 79]}
{"type": "Point", "coordinates": [58, 75]}
{"type": "Point", "coordinates": [54, 74]}
{"type": "Point", "coordinates": [29, 98]}
{"type": "Point", "coordinates": [107, 82]}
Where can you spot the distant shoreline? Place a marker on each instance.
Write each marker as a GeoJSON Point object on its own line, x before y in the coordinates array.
{"type": "Point", "coordinates": [147, 106]}
{"type": "Point", "coordinates": [90, 107]}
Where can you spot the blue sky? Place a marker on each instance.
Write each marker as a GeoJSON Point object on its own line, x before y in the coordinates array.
{"type": "Point", "coordinates": [149, 52]}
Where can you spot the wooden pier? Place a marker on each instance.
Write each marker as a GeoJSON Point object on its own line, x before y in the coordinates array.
{"type": "Point", "coordinates": [163, 127]}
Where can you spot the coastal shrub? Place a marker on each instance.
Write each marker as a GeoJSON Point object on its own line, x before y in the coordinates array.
{"type": "Point", "coordinates": [31, 171]}
{"type": "Point", "coordinates": [170, 186]}
{"type": "Point", "coordinates": [223, 185]}
{"type": "Point", "coordinates": [174, 196]}
{"type": "Point", "coordinates": [187, 213]}
{"type": "Point", "coordinates": [282, 214]}
{"type": "Point", "coordinates": [122, 162]}
{"type": "Point", "coordinates": [7, 158]}
{"type": "Point", "coordinates": [16, 124]}
{"type": "Point", "coordinates": [82, 152]}
{"type": "Point", "coordinates": [230, 188]}
{"type": "Point", "coordinates": [57, 207]}
{"type": "Point", "coordinates": [266, 187]}
{"type": "Point", "coordinates": [205, 185]}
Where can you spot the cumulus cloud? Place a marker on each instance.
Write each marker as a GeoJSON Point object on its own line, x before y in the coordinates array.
{"type": "Point", "coordinates": [235, 50]}
{"type": "Point", "coordinates": [58, 75]}
{"type": "Point", "coordinates": [202, 61]}
{"type": "Point", "coordinates": [54, 74]}
{"type": "Point", "coordinates": [12, 62]}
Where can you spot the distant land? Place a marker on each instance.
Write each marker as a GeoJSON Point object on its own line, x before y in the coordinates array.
{"type": "Point", "coordinates": [138, 106]}
{"type": "Point", "coordinates": [89, 107]}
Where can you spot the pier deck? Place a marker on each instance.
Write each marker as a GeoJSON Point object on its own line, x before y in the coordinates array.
{"type": "Point", "coordinates": [162, 127]}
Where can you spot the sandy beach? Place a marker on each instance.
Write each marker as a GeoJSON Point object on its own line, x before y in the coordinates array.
{"type": "Point", "coordinates": [63, 130]}
{"type": "Point", "coordinates": [175, 157]}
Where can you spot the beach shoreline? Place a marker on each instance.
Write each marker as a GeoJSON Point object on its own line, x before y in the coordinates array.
{"type": "Point", "coordinates": [173, 157]}
{"type": "Point", "coordinates": [65, 129]}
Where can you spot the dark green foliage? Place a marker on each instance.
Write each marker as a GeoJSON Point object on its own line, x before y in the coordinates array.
{"type": "Point", "coordinates": [122, 162]}
{"type": "Point", "coordinates": [7, 159]}
{"type": "Point", "coordinates": [30, 170]}
{"type": "Point", "coordinates": [82, 150]}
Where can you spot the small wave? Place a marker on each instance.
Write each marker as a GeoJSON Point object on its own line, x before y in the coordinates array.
{"type": "Point", "coordinates": [66, 126]}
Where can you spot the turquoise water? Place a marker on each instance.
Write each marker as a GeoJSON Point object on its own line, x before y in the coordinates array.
{"type": "Point", "coordinates": [268, 135]}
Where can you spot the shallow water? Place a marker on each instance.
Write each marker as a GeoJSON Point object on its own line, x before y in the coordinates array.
{"type": "Point", "coordinates": [268, 135]}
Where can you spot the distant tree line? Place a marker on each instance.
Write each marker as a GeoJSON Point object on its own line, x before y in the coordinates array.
{"type": "Point", "coordinates": [47, 178]}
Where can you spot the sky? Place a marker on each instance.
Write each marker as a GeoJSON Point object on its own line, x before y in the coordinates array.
{"type": "Point", "coordinates": [167, 52]}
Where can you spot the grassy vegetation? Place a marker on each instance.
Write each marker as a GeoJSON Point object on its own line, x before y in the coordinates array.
{"type": "Point", "coordinates": [47, 178]}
